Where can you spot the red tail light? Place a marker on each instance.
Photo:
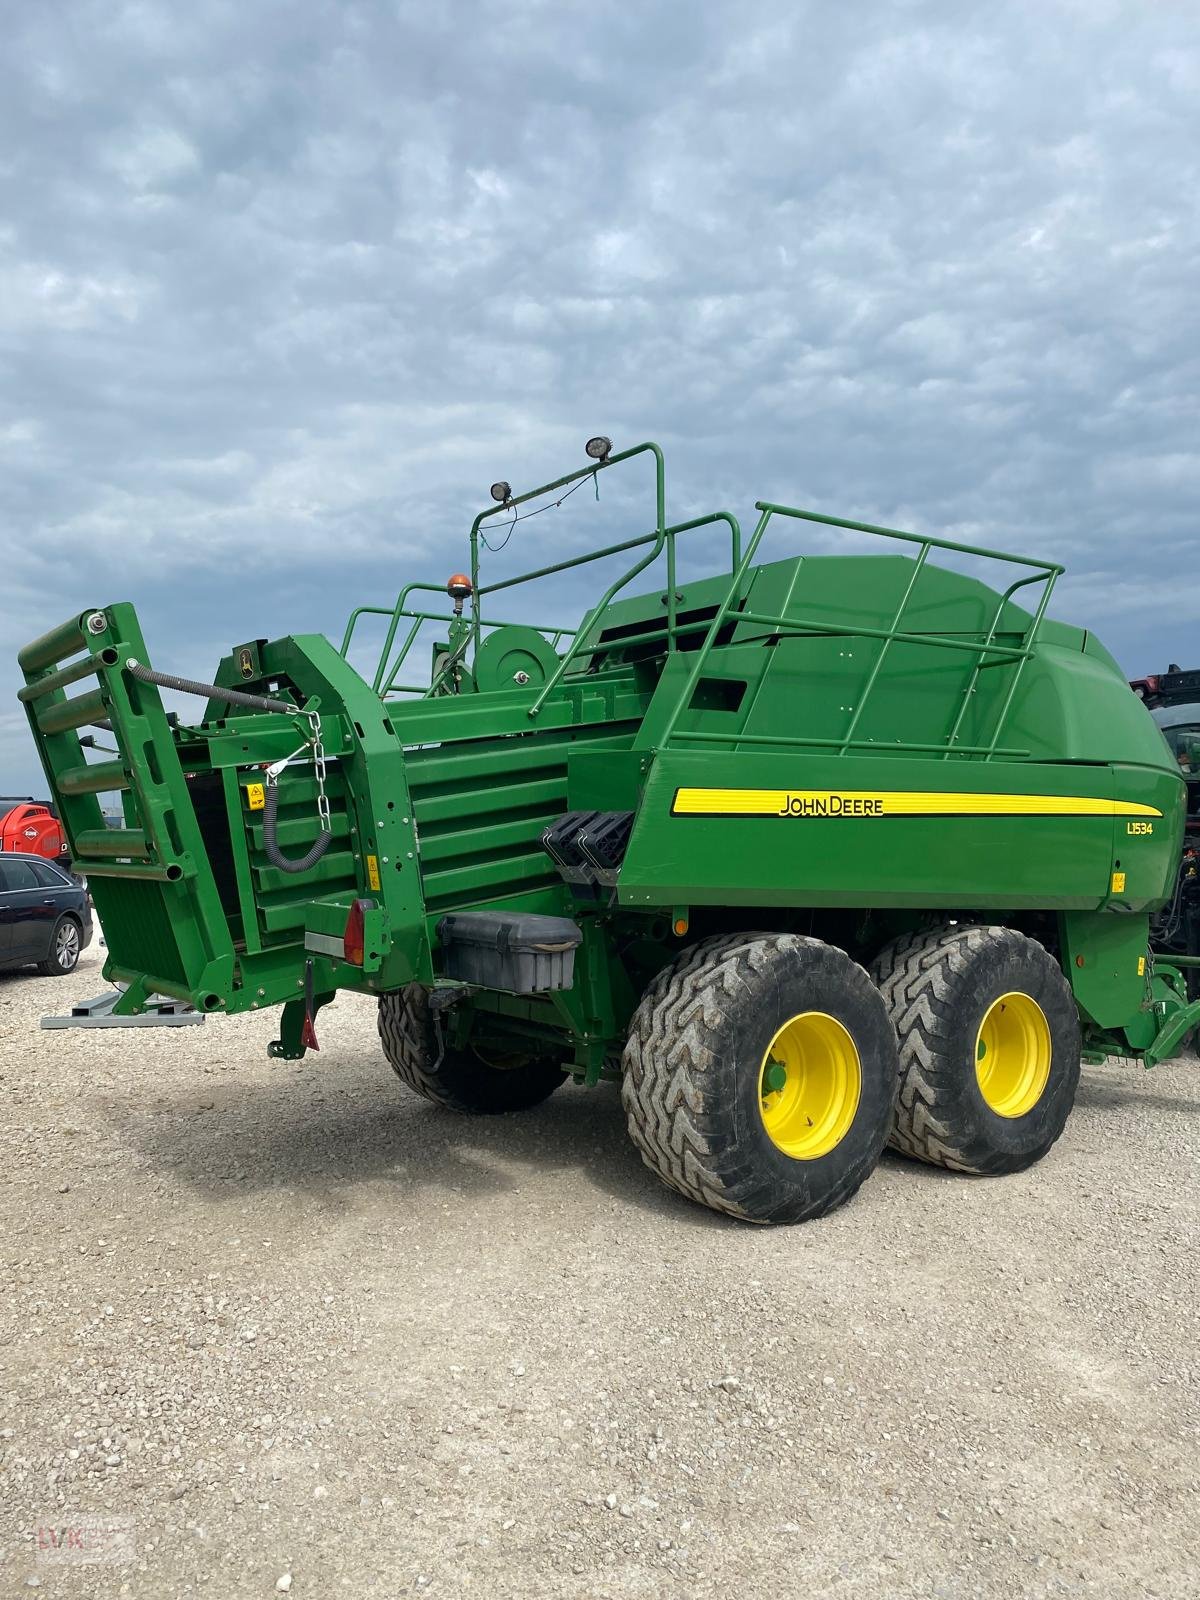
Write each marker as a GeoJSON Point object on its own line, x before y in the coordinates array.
{"type": "Point", "coordinates": [353, 938]}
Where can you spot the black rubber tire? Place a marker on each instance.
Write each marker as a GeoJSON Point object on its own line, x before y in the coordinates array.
{"type": "Point", "coordinates": [937, 986]}
{"type": "Point", "coordinates": [461, 1081]}
{"type": "Point", "coordinates": [691, 1074]}
{"type": "Point", "coordinates": [52, 966]}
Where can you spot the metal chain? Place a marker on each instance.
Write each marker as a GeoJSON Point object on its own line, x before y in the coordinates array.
{"type": "Point", "coordinates": [320, 769]}
{"type": "Point", "coordinates": [318, 750]}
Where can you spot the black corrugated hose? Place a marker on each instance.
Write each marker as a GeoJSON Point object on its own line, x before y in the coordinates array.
{"type": "Point", "coordinates": [236, 697]}
{"type": "Point", "coordinates": [271, 839]}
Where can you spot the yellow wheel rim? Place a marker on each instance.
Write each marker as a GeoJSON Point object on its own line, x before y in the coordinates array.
{"type": "Point", "coordinates": [1012, 1054]}
{"type": "Point", "coordinates": [809, 1085]}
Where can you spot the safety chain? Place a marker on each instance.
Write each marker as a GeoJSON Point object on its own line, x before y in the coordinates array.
{"type": "Point", "coordinates": [320, 770]}
{"type": "Point", "coordinates": [318, 750]}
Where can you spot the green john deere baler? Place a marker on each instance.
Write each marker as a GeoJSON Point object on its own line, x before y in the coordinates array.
{"type": "Point", "coordinates": [810, 854]}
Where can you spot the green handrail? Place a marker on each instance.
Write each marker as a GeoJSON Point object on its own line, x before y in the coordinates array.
{"type": "Point", "coordinates": [715, 626]}
{"type": "Point", "coordinates": [593, 471]}
{"type": "Point", "coordinates": [420, 618]}
{"type": "Point", "coordinates": [910, 538]}
{"type": "Point", "coordinates": [660, 538]}
{"type": "Point", "coordinates": [1048, 578]}
{"type": "Point", "coordinates": [810, 625]}
{"type": "Point", "coordinates": [1047, 571]}
{"type": "Point", "coordinates": [918, 568]}
{"type": "Point", "coordinates": [395, 612]}
{"type": "Point", "coordinates": [383, 685]}
{"type": "Point", "coordinates": [478, 623]}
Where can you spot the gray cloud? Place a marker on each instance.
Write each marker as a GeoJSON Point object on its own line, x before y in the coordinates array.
{"type": "Point", "coordinates": [283, 289]}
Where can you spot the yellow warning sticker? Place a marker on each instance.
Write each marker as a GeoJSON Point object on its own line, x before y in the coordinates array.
{"type": "Point", "coordinates": [1141, 966]}
{"type": "Point", "coordinates": [373, 871]}
{"type": "Point", "coordinates": [1118, 883]}
{"type": "Point", "coordinates": [256, 796]}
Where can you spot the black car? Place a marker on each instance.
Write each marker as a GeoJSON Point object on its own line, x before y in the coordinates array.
{"type": "Point", "coordinates": [45, 917]}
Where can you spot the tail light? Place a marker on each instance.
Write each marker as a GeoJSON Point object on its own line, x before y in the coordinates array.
{"type": "Point", "coordinates": [354, 938]}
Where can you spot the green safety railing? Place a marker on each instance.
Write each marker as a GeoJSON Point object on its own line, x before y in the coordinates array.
{"type": "Point", "coordinates": [986, 651]}
{"type": "Point", "coordinates": [384, 680]}
{"type": "Point", "coordinates": [593, 472]}
{"type": "Point", "coordinates": [661, 539]}
{"type": "Point", "coordinates": [671, 631]}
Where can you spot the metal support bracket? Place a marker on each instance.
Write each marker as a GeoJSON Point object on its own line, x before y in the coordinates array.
{"type": "Point", "coordinates": [161, 1011]}
{"type": "Point", "coordinates": [1171, 1035]}
{"type": "Point", "coordinates": [291, 1045]}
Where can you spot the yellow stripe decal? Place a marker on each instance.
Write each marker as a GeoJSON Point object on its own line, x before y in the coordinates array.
{"type": "Point", "coordinates": [894, 803]}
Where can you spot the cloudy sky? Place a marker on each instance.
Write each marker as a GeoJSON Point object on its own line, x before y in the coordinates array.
{"type": "Point", "coordinates": [284, 287]}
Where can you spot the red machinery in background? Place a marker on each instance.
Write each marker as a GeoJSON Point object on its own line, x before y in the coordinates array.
{"type": "Point", "coordinates": [31, 826]}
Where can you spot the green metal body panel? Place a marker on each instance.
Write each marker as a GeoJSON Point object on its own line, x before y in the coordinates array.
{"type": "Point", "coordinates": [856, 855]}
{"type": "Point", "coordinates": [1106, 959]}
{"type": "Point", "coordinates": [843, 743]}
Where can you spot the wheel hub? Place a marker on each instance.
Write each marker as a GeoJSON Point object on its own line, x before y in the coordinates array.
{"type": "Point", "coordinates": [1012, 1054]}
{"type": "Point", "coordinates": [809, 1085]}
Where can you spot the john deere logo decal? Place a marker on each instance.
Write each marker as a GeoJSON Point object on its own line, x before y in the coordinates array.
{"type": "Point", "coordinates": [894, 803]}
{"type": "Point", "coordinates": [831, 805]}
{"type": "Point", "coordinates": [246, 663]}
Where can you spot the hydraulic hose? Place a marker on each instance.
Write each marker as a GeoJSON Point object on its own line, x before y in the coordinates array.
{"type": "Point", "coordinates": [271, 838]}
{"type": "Point", "coordinates": [206, 691]}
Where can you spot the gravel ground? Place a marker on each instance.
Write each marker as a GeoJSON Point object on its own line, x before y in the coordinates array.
{"type": "Point", "coordinates": [293, 1324]}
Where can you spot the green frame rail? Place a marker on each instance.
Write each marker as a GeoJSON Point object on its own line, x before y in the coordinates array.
{"type": "Point", "coordinates": [987, 651]}
{"type": "Point", "coordinates": [161, 845]}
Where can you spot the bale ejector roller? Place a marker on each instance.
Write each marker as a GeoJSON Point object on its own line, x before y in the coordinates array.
{"type": "Point", "coordinates": [809, 854]}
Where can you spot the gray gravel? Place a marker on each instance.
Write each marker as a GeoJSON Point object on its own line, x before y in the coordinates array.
{"type": "Point", "coordinates": [311, 1335]}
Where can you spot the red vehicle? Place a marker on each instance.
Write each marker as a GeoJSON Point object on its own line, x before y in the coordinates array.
{"type": "Point", "coordinates": [31, 827]}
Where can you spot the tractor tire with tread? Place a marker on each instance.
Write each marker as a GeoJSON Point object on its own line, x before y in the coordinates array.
{"type": "Point", "coordinates": [461, 1081]}
{"type": "Point", "coordinates": [696, 1050]}
{"type": "Point", "coordinates": [938, 985]}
